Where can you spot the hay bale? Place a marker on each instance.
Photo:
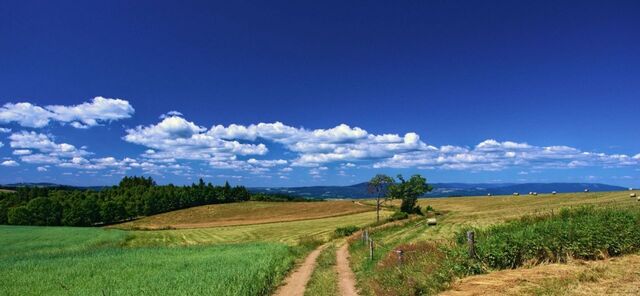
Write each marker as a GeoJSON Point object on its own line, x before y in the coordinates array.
{"type": "Point", "coordinates": [530, 193]}
{"type": "Point", "coordinates": [553, 192]}
{"type": "Point", "coordinates": [535, 194]}
{"type": "Point", "coordinates": [431, 221]}
{"type": "Point", "coordinates": [516, 193]}
{"type": "Point", "coordinates": [630, 189]}
{"type": "Point", "coordinates": [638, 198]}
{"type": "Point", "coordinates": [586, 190]}
{"type": "Point", "coordinates": [632, 195]}
{"type": "Point", "coordinates": [488, 194]}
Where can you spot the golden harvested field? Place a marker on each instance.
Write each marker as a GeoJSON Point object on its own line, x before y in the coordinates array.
{"type": "Point", "coordinates": [246, 213]}
{"type": "Point", "coordinates": [287, 232]}
{"type": "Point", "coordinates": [615, 276]}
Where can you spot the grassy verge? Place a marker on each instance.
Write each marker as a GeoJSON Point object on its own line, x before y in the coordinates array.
{"type": "Point", "coordinates": [324, 281]}
{"type": "Point", "coordinates": [90, 261]}
{"type": "Point", "coordinates": [583, 233]}
{"type": "Point", "coordinates": [430, 266]}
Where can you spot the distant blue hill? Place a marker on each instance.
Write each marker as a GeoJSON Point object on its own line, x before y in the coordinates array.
{"type": "Point", "coordinates": [443, 189]}
{"type": "Point", "coordinates": [360, 190]}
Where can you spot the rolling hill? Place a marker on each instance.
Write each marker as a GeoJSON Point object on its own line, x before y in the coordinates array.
{"type": "Point", "coordinates": [443, 189]}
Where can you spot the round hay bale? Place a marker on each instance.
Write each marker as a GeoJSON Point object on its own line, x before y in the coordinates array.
{"type": "Point", "coordinates": [553, 192]}
{"type": "Point", "coordinates": [586, 190]}
{"type": "Point", "coordinates": [516, 193]}
{"type": "Point", "coordinates": [535, 194]}
{"type": "Point", "coordinates": [632, 195]}
{"type": "Point", "coordinates": [431, 221]}
{"type": "Point", "coordinates": [488, 194]}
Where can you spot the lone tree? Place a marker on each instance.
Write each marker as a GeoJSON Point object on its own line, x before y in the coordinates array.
{"type": "Point", "coordinates": [408, 192]}
{"type": "Point", "coordinates": [379, 185]}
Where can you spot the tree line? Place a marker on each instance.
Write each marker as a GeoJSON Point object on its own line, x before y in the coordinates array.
{"type": "Point", "coordinates": [133, 197]}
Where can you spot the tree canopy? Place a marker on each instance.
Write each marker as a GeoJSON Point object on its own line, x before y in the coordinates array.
{"type": "Point", "coordinates": [409, 191]}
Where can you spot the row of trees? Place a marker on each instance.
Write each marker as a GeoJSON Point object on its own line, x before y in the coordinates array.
{"type": "Point", "coordinates": [386, 188]}
{"type": "Point", "coordinates": [132, 198]}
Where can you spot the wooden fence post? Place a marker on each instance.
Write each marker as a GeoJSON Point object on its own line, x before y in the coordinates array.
{"type": "Point", "coordinates": [370, 249]}
{"type": "Point", "coordinates": [471, 242]}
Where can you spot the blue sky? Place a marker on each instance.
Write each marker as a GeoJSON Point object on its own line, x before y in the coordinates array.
{"type": "Point", "coordinates": [294, 94]}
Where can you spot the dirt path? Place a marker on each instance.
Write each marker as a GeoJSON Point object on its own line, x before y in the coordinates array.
{"type": "Point", "coordinates": [296, 282]}
{"type": "Point", "coordinates": [347, 280]}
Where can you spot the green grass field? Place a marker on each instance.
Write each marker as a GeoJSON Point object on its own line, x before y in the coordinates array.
{"type": "Point", "coordinates": [231, 260]}
{"type": "Point", "coordinates": [91, 261]}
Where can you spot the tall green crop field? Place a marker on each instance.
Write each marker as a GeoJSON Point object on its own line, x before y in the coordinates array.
{"type": "Point", "coordinates": [89, 261]}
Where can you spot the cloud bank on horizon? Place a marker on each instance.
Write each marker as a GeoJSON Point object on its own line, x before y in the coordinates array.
{"type": "Point", "coordinates": [176, 145]}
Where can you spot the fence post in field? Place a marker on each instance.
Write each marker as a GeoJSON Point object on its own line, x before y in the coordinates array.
{"type": "Point", "coordinates": [471, 242]}
{"type": "Point", "coordinates": [370, 249]}
{"type": "Point", "coordinates": [400, 256]}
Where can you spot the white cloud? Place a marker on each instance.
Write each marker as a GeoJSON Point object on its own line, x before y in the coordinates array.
{"type": "Point", "coordinates": [42, 169]}
{"type": "Point", "coordinates": [43, 143]}
{"type": "Point", "coordinates": [9, 163]}
{"type": "Point", "coordinates": [492, 155]}
{"type": "Point", "coordinates": [84, 115]}
{"type": "Point", "coordinates": [4, 130]}
{"type": "Point", "coordinates": [176, 138]}
{"type": "Point", "coordinates": [1, 145]}
{"type": "Point", "coordinates": [21, 152]}
{"type": "Point", "coordinates": [225, 147]}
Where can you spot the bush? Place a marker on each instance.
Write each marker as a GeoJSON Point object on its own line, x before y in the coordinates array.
{"type": "Point", "coordinates": [398, 216]}
{"type": "Point", "coordinates": [345, 231]}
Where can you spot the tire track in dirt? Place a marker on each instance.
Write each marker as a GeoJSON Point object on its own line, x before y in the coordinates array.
{"type": "Point", "coordinates": [346, 277]}
{"type": "Point", "coordinates": [296, 282]}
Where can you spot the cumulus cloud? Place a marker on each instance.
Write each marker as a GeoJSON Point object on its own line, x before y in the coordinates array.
{"type": "Point", "coordinates": [4, 130]}
{"type": "Point", "coordinates": [9, 163]}
{"type": "Point", "coordinates": [491, 155]}
{"type": "Point", "coordinates": [26, 141]}
{"type": "Point", "coordinates": [227, 147]}
{"type": "Point", "coordinates": [82, 116]}
{"type": "Point", "coordinates": [177, 138]}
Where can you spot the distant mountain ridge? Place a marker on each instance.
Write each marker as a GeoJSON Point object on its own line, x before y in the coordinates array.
{"type": "Point", "coordinates": [360, 190]}
{"type": "Point", "coordinates": [443, 189]}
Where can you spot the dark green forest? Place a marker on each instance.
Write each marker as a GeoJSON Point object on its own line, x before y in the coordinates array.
{"type": "Point", "coordinates": [132, 198]}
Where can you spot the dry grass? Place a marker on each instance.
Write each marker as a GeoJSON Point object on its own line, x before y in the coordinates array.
{"type": "Point", "coordinates": [483, 211]}
{"type": "Point", "coordinates": [246, 213]}
{"type": "Point", "coordinates": [290, 232]}
{"type": "Point", "coordinates": [615, 276]}
{"type": "Point", "coordinates": [6, 190]}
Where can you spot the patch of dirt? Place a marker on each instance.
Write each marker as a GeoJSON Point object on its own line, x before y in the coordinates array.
{"type": "Point", "coordinates": [614, 276]}
{"type": "Point", "coordinates": [296, 282]}
{"type": "Point", "coordinates": [346, 277]}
